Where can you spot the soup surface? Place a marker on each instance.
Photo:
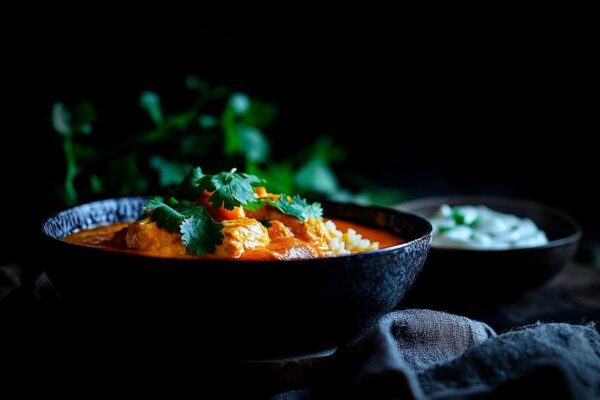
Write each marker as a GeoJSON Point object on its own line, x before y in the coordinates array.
{"type": "Point", "coordinates": [231, 215]}
{"type": "Point", "coordinates": [108, 238]}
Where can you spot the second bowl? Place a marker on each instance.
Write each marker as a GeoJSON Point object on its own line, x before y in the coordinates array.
{"type": "Point", "coordinates": [472, 277]}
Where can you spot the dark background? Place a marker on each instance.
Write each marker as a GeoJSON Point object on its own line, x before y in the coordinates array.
{"type": "Point", "coordinates": [433, 101]}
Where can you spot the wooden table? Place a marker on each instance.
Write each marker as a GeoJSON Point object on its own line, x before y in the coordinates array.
{"type": "Point", "coordinates": [39, 330]}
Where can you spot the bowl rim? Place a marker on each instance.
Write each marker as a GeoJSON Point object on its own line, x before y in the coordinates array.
{"type": "Point", "coordinates": [197, 259]}
{"type": "Point", "coordinates": [411, 206]}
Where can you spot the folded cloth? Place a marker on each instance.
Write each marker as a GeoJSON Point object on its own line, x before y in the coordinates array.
{"type": "Point", "coordinates": [422, 354]}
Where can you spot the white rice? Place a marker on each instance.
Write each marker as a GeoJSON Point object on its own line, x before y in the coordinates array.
{"type": "Point", "coordinates": [348, 242]}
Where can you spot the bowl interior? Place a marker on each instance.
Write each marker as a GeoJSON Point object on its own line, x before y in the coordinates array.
{"type": "Point", "coordinates": [104, 212]}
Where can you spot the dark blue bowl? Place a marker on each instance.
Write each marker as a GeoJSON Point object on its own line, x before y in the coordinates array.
{"type": "Point", "coordinates": [236, 309]}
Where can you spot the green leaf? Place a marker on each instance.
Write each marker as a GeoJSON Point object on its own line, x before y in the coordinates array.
{"type": "Point", "coordinates": [200, 233]}
{"type": "Point", "coordinates": [150, 101]}
{"type": "Point", "coordinates": [324, 148]}
{"type": "Point", "coordinates": [316, 176]}
{"type": "Point", "coordinates": [230, 189]}
{"type": "Point", "coordinates": [297, 207]}
{"type": "Point", "coordinates": [240, 103]}
{"type": "Point", "coordinates": [69, 123]}
{"type": "Point", "coordinates": [169, 172]}
{"type": "Point", "coordinates": [84, 153]}
{"type": "Point", "coordinates": [163, 214]}
{"type": "Point", "coordinates": [96, 184]}
{"type": "Point", "coordinates": [189, 188]}
{"type": "Point", "coordinates": [193, 83]}
{"type": "Point", "coordinates": [231, 135]}
{"type": "Point", "coordinates": [181, 121]}
{"type": "Point", "coordinates": [253, 144]}
{"type": "Point", "coordinates": [260, 114]}
{"type": "Point", "coordinates": [124, 177]}
{"type": "Point", "coordinates": [279, 175]}
{"type": "Point", "coordinates": [61, 119]}
{"type": "Point", "coordinates": [458, 216]}
{"type": "Point", "coordinates": [383, 196]}
{"type": "Point", "coordinates": [253, 205]}
{"type": "Point", "coordinates": [206, 121]}
{"type": "Point", "coordinates": [197, 145]}
{"type": "Point", "coordinates": [85, 115]}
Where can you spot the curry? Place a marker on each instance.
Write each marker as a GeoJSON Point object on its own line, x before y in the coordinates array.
{"type": "Point", "coordinates": [231, 215]}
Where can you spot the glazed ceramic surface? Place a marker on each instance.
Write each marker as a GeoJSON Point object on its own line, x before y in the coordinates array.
{"type": "Point", "coordinates": [236, 309]}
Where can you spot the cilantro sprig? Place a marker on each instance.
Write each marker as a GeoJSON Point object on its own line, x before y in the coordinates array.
{"type": "Point", "coordinates": [231, 189]}
{"type": "Point", "coordinates": [227, 189]}
{"type": "Point", "coordinates": [164, 214]}
{"type": "Point", "coordinates": [200, 233]}
{"type": "Point", "coordinates": [189, 186]}
{"type": "Point", "coordinates": [297, 207]}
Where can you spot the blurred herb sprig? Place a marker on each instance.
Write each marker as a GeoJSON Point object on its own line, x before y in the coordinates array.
{"type": "Point", "coordinates": [220, 127]}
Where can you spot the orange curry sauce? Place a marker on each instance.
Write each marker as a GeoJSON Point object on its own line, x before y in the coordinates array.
{"type": "Point", "coordinates": [108, 238]}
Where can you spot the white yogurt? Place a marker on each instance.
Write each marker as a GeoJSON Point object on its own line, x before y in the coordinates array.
{"type": "Point", "coordinates": [479, 227]}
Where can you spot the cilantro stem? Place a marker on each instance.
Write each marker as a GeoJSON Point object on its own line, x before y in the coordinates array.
{"type": "Point", "coordinates": [71, 172]}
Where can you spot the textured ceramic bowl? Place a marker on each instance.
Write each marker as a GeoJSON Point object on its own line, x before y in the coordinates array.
{"type": "Point", "coordinates": [474, 277]}
{"type": "Point", "coordinates": [237, 309]}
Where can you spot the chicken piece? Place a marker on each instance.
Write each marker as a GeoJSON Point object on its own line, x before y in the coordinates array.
{"type": "Point", "coordinates": [240, 235]}
{"type": "Point", "coordinates": [279, 230]}
{"type": "Point", "coordinates": [285, 248]}
{"type": "Point", "coordinates": [313, 230]}
{"type": "Point", "coordinates": [292, 249]}
{"type": "Point", "coordinates": [146, 235]}
{"type": "Point", "coordinates": [260, 254]}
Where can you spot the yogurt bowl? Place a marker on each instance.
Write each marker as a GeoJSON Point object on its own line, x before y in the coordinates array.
{"type": "Point", "coordinates": [463, 271]}
{"type": "Point", "coordinates": [477, 227]}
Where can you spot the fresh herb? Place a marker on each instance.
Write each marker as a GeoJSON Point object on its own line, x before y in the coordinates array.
{"type": "Point", "coordinates": [297, 207]}
{"type": "Point", "coordinates": [458, 216]}
{"type": "Point", "coordinates": [69, 125]}
{"type": "Point", "coordinates": [165, 215]}
{"type": "Point", "coordinates": [189, 188]}
{"type": "Point", "coordinates": [444, 229]}
{"type": "Point", "coordinates": [199, 232]}
{"type": "Point", "coordinates": [231, 189]}
{"type": "Point", "coordinates": [265, 222]}
{"type": "Point", "coordinates": [220, 127]}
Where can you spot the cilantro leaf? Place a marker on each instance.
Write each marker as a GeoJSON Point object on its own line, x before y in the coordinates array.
{"type": "Point", "coordinates": [297, 207]}
{"type": "Point", "coordinates": [164, 214]}
{"type": "Point", "coordinates": [458, 216]}
{"type": "Point", "coordinates": [189, 186]}
{"type": "Point", "coordinates": [200, 233]}
{"type": "Point", "coordinates": [230, 189]}
{"type": "Point", "coordinates": [254, 205]}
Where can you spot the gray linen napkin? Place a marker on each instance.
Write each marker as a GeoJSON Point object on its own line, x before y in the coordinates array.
{"type": "Point", "coordinates": [423, 354]}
